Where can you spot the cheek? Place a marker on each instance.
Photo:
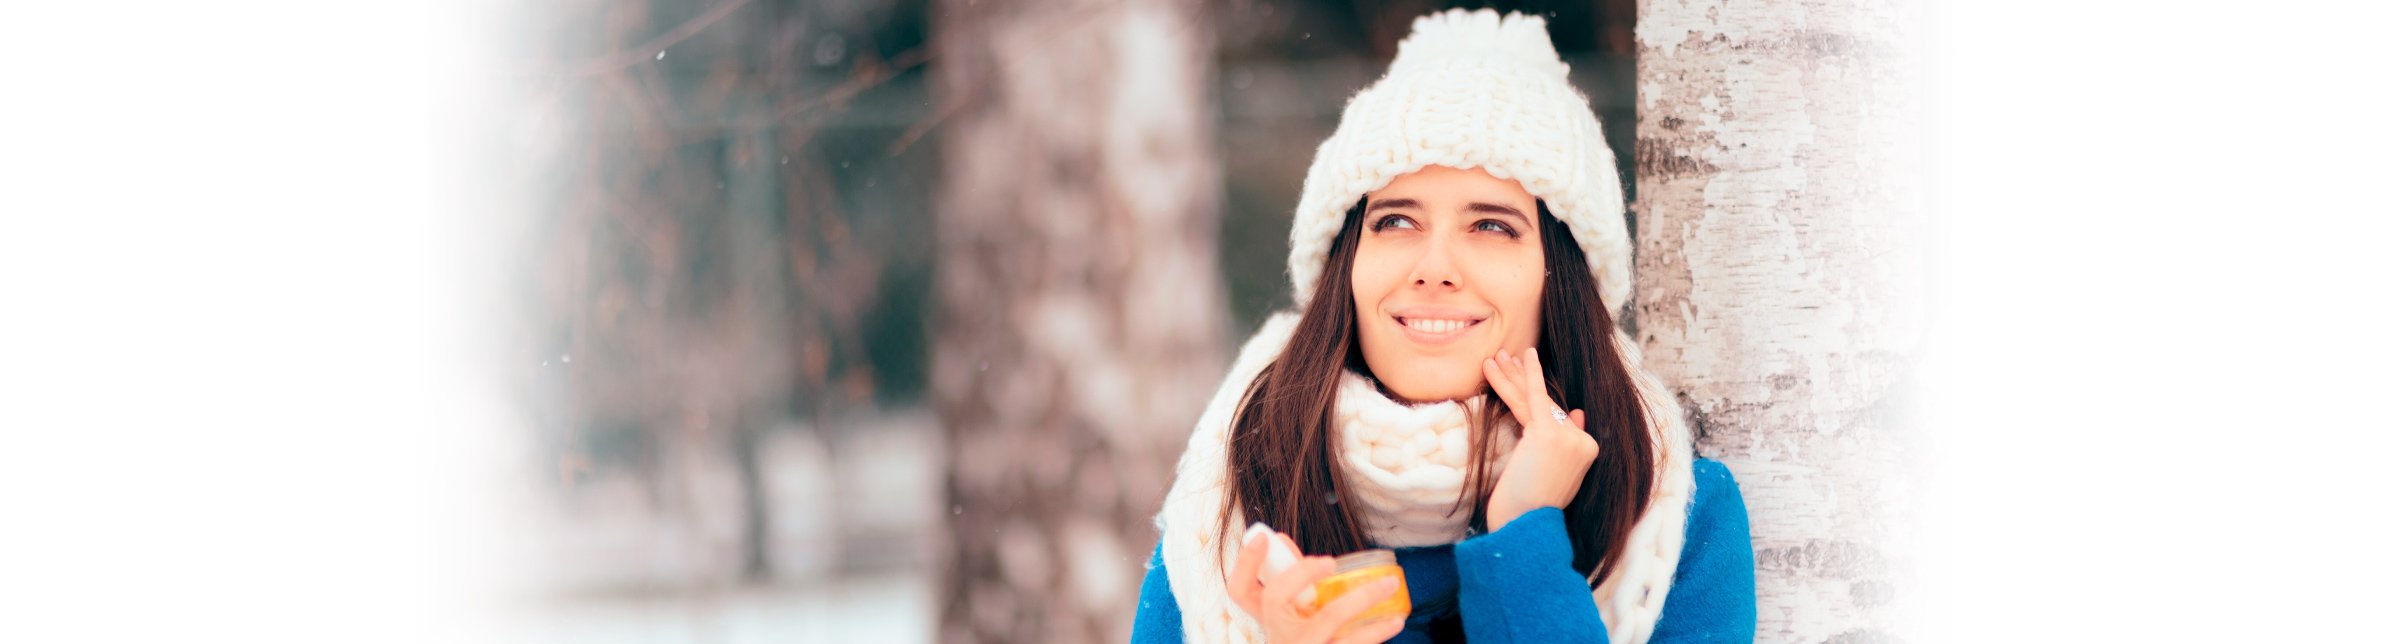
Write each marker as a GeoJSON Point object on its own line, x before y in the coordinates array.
{"type": "Point", "coordinates": [1520, 300]}
{"type": "Point", "coordinates": [1372, 277]}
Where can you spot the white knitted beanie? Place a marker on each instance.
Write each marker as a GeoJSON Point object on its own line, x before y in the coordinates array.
{"type": "Point", "coordinates": [1471, 89]}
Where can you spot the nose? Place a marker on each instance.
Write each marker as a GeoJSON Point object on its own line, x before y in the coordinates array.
{"type": "Point", "coordinates": [1436, 268]}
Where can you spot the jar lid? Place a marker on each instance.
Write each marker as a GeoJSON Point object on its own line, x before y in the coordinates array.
{"type": "Point", "coordinates": [1364, 559]}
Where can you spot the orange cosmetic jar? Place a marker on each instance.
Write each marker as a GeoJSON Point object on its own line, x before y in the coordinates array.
{"type": "Point", "coordinates": [1354, 571]}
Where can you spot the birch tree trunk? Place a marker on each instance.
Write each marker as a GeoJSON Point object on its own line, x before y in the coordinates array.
{"type": "Point", "coordinates": [1081, 318]}
{"type": "Point", "coordinates": [1776, 150]}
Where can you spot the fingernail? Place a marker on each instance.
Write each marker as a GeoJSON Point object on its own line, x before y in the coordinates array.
{"type": "Point", "coordinates": [1258, 529]}
{"type": "Point", "coordinates": [1504, 354]}
{"type": "Point", "coordinates": [1386, 583]}
{"type": "Point", "coordinates": [1280, 556]}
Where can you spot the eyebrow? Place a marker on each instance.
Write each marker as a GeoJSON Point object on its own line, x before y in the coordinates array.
{"type": "Point", "coordinates": [1478, 206]}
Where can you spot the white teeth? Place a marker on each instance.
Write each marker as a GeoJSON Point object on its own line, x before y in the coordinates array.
{"type": "Point", "coordinates": [1437, 326]}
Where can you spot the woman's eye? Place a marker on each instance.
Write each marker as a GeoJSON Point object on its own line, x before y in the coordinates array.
{"type": "Point", "coordinates": [1390, 221]}
{"type": "Point", "coordinates": [1494, 227]}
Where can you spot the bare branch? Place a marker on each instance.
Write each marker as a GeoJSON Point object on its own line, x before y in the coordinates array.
{"type": "Point", "coordinates": [623, 59]}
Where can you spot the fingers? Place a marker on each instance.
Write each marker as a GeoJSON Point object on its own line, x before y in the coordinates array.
{"type": "Point", "coordinates": [1508, 378]}
{"type": "Point", "coordinates": [1531, 367]}
{"type": "Point", "coordinates": [1282, 552]}
{"type": "Point", "coordinates": [1374, 632]}
{"type": "Point", "coordinates": [1282, 589]}
{"type": "Point", "coordinates": [1495, 371]}
{"type": "Point", "coordinates": [1349, 605]}
{"type": "Point", "coordinates": [1242, 583]}
{"type": "Point", "coordinates": [1520, 382]}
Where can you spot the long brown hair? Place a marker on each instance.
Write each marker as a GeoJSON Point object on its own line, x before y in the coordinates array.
{"type": "Point", "coordinates": [1280, 459]}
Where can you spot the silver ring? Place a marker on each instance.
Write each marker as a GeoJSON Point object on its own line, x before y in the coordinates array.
{"type": "Point", "coordinates": [1557, 414]}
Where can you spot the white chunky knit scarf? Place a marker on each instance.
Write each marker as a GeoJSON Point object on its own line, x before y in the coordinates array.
{"type": "Point", "coordinates": [1409, 466]}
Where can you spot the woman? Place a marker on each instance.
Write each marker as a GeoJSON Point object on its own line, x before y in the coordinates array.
{"type": "Point", "coordinates": [1462, 230]}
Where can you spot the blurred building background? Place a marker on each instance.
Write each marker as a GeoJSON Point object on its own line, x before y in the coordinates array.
{"type": "Point", "coordinates": [824, 297]}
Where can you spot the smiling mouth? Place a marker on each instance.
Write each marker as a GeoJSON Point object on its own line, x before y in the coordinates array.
{"type": "Point", "coordinates": [1437, 326]}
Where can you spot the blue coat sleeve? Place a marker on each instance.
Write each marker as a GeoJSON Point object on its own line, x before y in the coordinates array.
{"type": "Point", "coordinates": [1518, 583]}
{"type": "Point", "coordinates": [1157, 620]}
{"type": "Point", "coordinates": [1714, 592]}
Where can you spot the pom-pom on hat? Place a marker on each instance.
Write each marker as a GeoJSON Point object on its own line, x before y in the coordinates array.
{"type": "Point", "coordinates": [1471, 89]}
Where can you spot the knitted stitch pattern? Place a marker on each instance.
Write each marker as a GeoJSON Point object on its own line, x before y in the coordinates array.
{"type": "Point", "coordinates": [1471, 90]}
{"type": "Point", "coordinates": [1408, 464]}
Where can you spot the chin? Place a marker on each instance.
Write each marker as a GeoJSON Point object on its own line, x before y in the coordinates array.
{"type": "Point", "coordinates": [1432, 383]}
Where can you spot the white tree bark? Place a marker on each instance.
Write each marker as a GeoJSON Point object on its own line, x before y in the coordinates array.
{"type": "Point", "coordinates": [1776, 152]}
{"type": "Point", "coordinates": [1081, 320]}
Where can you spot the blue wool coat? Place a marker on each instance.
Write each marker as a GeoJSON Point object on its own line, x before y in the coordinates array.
{"type": "Point", "coordinates": [1517, 584]}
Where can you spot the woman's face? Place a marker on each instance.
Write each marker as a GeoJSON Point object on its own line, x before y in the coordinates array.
{"type": "Point", "coordinates": [1448, 272]}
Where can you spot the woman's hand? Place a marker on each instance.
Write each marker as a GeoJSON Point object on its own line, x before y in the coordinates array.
{"type": "Point", "coordinates": [1548, 463]}
{"type": "Point", "coordinates": [1285, 612]}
